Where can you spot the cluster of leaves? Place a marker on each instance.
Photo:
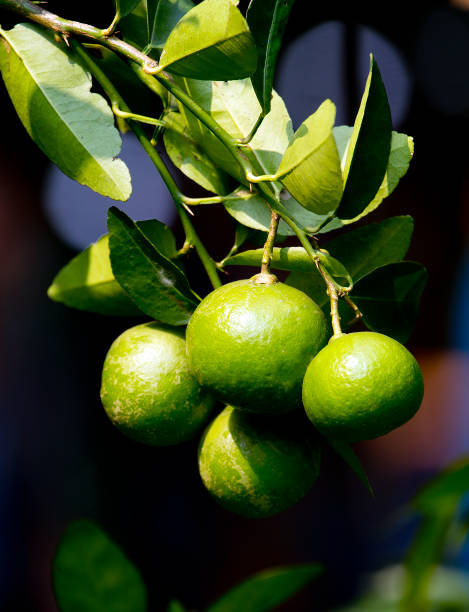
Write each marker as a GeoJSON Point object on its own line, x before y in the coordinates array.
{"type": "Point", "coordinates": [91, 574]}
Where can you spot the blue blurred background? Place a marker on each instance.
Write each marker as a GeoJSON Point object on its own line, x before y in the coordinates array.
{"type": "Point", "coordinates": [60, 459]}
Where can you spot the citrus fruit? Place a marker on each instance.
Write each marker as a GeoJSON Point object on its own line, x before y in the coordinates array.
{"type": "Point", "coordinates": [250, 344]}
{"type": "Point", "coordinates": [256, 465]}
{"type": "Point", "coordinates": [361, 386]}
{"type": "Point", "coordinates": [148, 390]}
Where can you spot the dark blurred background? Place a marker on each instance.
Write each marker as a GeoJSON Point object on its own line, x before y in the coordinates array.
{"type": "Point", "coordinates": [60, 458]}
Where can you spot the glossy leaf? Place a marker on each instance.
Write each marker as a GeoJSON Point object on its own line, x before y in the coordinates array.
{"type": "Point", "coordinates": [267, 20]}
{"type": "Point", "coordinates": [163, 15]}
{"type": "Point", "coordinates": [91, 573]}
{"type": "Point", "coordinates": [190, 158]}
{"type": "Point", "coordinates": [235, 107]}
{"type": "Point", "coordinates": [369, 147]}
{"type": "Point", "coordinates": [293, 258]}
{"type": "Point", "coordinates": [389, 298]}
{"type": "Point", "coordinates": [51, 94]}
{"type": "Point", "coordinates": [154, 283]}
{"type": "Point", "coordinates": [252, 210]}
{"type": "Point", "coordinates": [310, 167]}
{"type": "Point", "coordinates": [124, 7]}
{"type": "Point", "coordinates": [267, 589]}
{"type": "Point", "coordinates": [348, 455]}
{"type": "Point", "coordinates": [402, 150]}
{"type": "Point", "coordinates": [449, 485]}
{"type": "Point", "coordinates": [211, 42]}
{"type": "Point", "coordinates": [87, 283]}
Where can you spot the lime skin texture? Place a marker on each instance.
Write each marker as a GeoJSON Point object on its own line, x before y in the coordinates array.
{"type": "Point", "coordinates": [148, 390]}
{"type": "Point", "coordinates": [361, 386]}
{"type": "Point", "coordinates": [250, 344]}
{"type": "Point", "coordinates": [256, 465]}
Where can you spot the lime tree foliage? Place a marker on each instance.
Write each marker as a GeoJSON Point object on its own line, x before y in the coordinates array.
{"type": "Point", "coordinates": [249, 343]}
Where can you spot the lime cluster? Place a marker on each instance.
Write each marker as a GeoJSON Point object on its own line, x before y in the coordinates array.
{"type": "Point", "coordinates": [260, 347]}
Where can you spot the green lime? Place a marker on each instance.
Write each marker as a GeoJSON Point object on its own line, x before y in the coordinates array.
{"type": "Point", "coordinates": [256, 465]}
{"type": "Point", "coordinates": [361, 386]}
{"type": "Point", "coordinates": [250, 344]}
{"type": "Point", "coordinates": [148, 390]}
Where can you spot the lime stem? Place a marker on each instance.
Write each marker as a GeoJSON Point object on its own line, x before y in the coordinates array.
{"type": "Point", "coordinates": [269, 243]}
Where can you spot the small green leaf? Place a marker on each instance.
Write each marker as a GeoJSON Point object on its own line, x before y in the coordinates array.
{"type": "Point", "coordinates": [448, 486]}
{"type": "Point", "coordinates": [51, 94]}
{"type": "Point", "coordinates": [346, 452]}
{"type": "Point", "coordinates": [155, 284]}
{"type": "Point", "coordinates": [310, 167]}
{"type": "Point", "coordinates": [369, 147]}
{"type": "Point", "coordinates": [267, 589]}
{"type": "Point", "coordinates": [87, 283]}
{"type": "Point", "coordinates": [163, 15]}
{"type": "Point", "coordinates": [190, 158]}
{"type": "Point", "coordinates": [211, 42]}
{"type": "Point", "coordinates": [389, 298]}
{"type": "Point", "coordinates": [294, 258]}
{"type": "Point", "coordinates": [125, 6]}
{"type": "Point", "coordinates": [91, 574]}
{"type": "Point", "coordinates": [402, 150]}
{"type": "Point", "coordinates": [267, 20]}
{"type": "Point", "coordinates": [175, 606]}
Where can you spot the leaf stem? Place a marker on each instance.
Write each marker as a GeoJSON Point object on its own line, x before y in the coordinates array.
{"type": "Point", "coordinates": [115, 97]}
{"type": "Point", "coordinates": [269, 243]}
{"type": "Point", "coordinates": [245, 141]}
{"type": "Point", "coordinates": [142, 118]}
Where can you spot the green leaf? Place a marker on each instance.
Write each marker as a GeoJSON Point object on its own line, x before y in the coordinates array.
{"type": "Point", "coordinates": [91, 574]}
{"type": "Point", "coordinates": [267, 589]}
{"type": "Point", "coordinates": [235, 107]}
{"type": "Point", "coordinates": [125, 6]}
{"type": "Point", "coordinates": [163, 15]}
{"type": "Point", "coordinates": [369, 147]}
{"type": "Point", "coordinates": [51, 94]}
{"type": "Point", "coordinates": [186, 155]}
{"type": "Point", "coordinates": [175, 606]}
{"type": "Point", "coordinates": [360, 251]}
{"type": "Point", "coordinates": [346, 452]}
{"type": "Point", "coordinates": [154, 283]}
{"type": "Point", "coordinates": [310, 167]}
{"type": "Point", "coordinates": [389, 298]}
{"type": "Point", "coordinates": [211, 42]}
{"type": "Point", "coordinates": [252, 210]}
{"type": "Point", "coordinates": [267, 20]}
{"type": "Point", "coordinates": [133, 27]}
{"type": "Point", "coordinates": [87, 283]}
{"type": "Point", "coordinates": [447, 487]}
{"type": "Point", "coordinates": [402, 150]}
{"type": "Point", "coordinates": [293, 258]}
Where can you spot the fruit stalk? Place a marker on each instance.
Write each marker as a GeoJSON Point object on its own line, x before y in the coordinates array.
{"type": "Point", "coordinates": [269, 243]}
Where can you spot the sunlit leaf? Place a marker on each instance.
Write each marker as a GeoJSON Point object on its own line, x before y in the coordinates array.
{"type": "Point", "coordinates": [310, 167]}
{"type": "Point", "coordinates": [163, 15]}
{"type": "Point", "coordinates": [369, 147]}
{"type": "Point", "coordinates": [190, 158]}
{"type": "Point", "coordinates": [51, 94]}
{"type": "Point", "coordinates": [91, 574]}
{"type": "Point", "coordinates": [154, 283]}
{"type": "Point", "coordinates": [211, 42]}
{"type": "Point", "coordinates": [267, 20]}
{"type": "Point", "coordinates": [267, 589]}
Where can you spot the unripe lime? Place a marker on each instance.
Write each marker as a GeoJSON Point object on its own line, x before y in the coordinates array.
{"type": "Point", "coordinates": [256, 465]}
{"type": "Point", "coordinates": [250, 344]}
{"type": "Point", "coordinates": [361, 386]}
{"type": "Point", "coordinates": [148, 390]}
